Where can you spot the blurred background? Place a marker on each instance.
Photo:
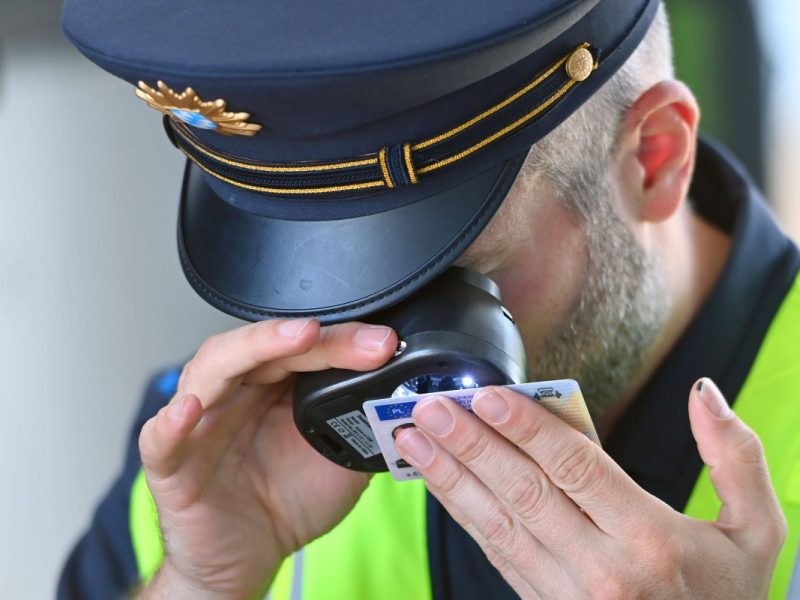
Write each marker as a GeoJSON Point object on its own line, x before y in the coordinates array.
{"type": "Point", "coordinates": [92, 299]}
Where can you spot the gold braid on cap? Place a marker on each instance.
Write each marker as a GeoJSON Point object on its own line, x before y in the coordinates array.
{"type": "Point", "coordinates": [390, 167]}
{"type": "Point", "coordinates": [189, 108]}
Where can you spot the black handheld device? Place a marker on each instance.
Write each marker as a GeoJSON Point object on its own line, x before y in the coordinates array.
{"type": "Point", "coordinates": [454, 334]}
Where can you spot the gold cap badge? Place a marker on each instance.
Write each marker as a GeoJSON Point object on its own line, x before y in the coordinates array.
{"type": "Point", "coordinates": [189, 108]}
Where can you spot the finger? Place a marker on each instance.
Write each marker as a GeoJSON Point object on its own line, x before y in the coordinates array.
{"type": "Point", "coordinates": [513, 477]}
{"type": "Point", "coordinates": [517, 582]}
{"type": "Point", "coordinates": [750, 513]}
{"type": "Point", "coordinates": [225, 420]}
{"type": "Point", "coordinates": [266, 353]}
{"type": "Point", "coordinates": [163, 436]}
{"type": "Point", "coordinates": [570, 460]}
{"type": "Point", "coordinates": [224, 359]}
{"type": "Point", "coordinates": [354, 346]}
{"type": "Point", "coordinates": [477, 509]}
{"type": "Point", "coordinates": [513, 578]}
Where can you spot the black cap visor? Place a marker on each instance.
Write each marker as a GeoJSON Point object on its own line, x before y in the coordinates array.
{"type": "Point", "coordinates": [258, 267]}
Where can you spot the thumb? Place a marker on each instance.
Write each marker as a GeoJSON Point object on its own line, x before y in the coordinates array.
{"type": "Point", "coordinates": [738, 469]}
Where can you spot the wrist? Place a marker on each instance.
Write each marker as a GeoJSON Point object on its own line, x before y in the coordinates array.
{"type": "Point", "coordinates": [169, 584]}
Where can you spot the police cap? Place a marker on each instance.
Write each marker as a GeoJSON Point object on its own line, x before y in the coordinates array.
{"type": "Point", "coordinates": [343, 154]}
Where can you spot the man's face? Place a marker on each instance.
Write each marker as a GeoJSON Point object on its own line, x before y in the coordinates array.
{"type": "Point", "coordinates": [588, 300]}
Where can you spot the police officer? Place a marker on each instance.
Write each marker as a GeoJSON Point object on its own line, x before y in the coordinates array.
{"type": "Point", "coordinates": [341, 156]}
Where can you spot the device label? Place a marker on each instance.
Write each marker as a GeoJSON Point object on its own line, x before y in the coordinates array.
{"type": "Point", "coordinates": [563, 398]}
{"type": "Point", "coordinates": [354, 429]}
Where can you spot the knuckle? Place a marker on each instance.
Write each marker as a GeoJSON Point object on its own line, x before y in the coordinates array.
{"type": "Point", "coordinates": [652, 566]}
{"type": "Point", "coordinates": [258, 346]}
{"type": "Point", "coordinates": [207, 349]}
{"type": "Point", "coordinates": [450, 480]}
{"type": "Point", "coordinates": [187, 374]}
{"type": "Point", "coordinates": [472, 448]}
{"type": "Point", "coordinates": [500, 531]}
{"type": "Point", "coordinates": [526, 497]}
{"type": "Point", "coordinates": [749, 448]}
{"type": "Point", "coordinates": [780, 529]}
{"type": "Point", "coordinates": [530, 430]}
{"type": "Point", "coordinates": [611, 586]}
{"type": "Point", "coordinates": [255, 336]}
{"type": "Point", "coordinates": [662, 560]}
{"type": "Point", "coordinates": [667, 553]}
{"type": "Point", "coordinates": [606, 580]}
{"type": "Point", "coordinates": [460, 519]}
{"type": "Point", "coordinates": [580, 469]}
{"type": "Point", "coordinates": [771, 536]}
{"type": "Point", "coordinates": [146, 443]}
{"type": "Point", "coordinates": [329, 337]}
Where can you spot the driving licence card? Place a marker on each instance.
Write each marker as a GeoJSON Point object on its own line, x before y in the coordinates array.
{"type": "Point", "coordinates": [563, 398]}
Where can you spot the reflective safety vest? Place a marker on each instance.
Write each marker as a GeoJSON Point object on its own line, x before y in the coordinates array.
{"type": "Point", "coordinates": [380, 549]}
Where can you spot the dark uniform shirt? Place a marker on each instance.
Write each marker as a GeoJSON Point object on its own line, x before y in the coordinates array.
{"type": "Point", "coordinates": [652, 442]}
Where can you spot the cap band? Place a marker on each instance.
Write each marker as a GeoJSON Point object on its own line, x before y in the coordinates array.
{"type": "Point", "coordinates": [397, 165]}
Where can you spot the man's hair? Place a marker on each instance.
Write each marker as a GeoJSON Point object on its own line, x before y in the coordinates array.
{"type": "Point", "coordinates": [589, 135]}
{"type": "Point", "coordinates": [623, 304]}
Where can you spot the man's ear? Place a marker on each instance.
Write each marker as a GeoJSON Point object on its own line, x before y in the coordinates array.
{"type": "Point", "coordinates": [656, 149]}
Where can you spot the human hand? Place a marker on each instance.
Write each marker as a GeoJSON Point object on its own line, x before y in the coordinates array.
{"type": "Point", "coordinates": [237, 487]}
{"type": "Point", "coordinates": [559, 519]}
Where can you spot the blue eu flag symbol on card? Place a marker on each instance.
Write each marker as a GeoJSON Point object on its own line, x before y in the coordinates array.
{"type": "Point", "coordinates": [392, 412]}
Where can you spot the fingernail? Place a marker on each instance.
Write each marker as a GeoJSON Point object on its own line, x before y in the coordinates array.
{"type": "Point", "coordinates": [293, 327]}
{"type": "Point", "coordinates": [416, 447]}
{"type": "Point", "coordinates": [434, 416]}
{"type": "Point", "coordinates": [372, 337]}
{"type": "Point", "coordinates": [711, 396]}
{"type": "Point", "coordinates": [490, 406]}
{"type": "Point", "coordinates": [175, 410]}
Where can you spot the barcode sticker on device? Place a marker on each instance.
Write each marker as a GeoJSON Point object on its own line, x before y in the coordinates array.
{"type": "Point", "coordinates": [354, 429]}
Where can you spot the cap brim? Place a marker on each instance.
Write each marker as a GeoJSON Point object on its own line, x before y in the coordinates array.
{"type": "Point", "coordinates": [257, 267]}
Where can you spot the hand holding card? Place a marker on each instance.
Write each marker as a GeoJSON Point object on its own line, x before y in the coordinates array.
{"type": "Point", "coordinates": [563, 398]}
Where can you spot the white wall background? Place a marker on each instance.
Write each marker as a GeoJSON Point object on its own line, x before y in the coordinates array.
{"type": "Point", "coordinates": [780, 20]}
{"type": "Point", "coordinates": [91, 295]}
{"type": "Point", "coordinates": [92, 299]}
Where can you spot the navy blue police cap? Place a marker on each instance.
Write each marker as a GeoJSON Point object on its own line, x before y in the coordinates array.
{"type": "Point", "coordinates": [343, 154]}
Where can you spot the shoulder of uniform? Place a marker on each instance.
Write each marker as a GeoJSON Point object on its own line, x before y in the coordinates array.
{"type": "Point", "coordinates": [165, 382]}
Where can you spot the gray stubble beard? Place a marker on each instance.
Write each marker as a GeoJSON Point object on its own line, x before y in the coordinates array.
{"type": "Point", "coordinates": [620, 312]}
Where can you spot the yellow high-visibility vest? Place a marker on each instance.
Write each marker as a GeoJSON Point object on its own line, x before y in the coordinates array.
{"type": "Point", "coordinates": [380, 549]}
